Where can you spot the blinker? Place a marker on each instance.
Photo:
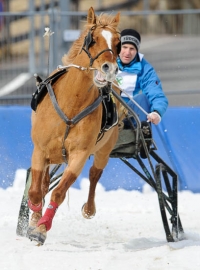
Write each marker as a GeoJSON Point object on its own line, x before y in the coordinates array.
{"type": "Point", "coordinates": [88, 40]}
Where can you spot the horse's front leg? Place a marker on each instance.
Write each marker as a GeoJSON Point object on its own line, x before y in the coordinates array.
{"type": "Point", "coordinates": [37, 192]}
{"type": "Point", "coordinates": [101, 158]}
{"type": "Point", "coordinates": [89, 209]}
{"type": "Point", "coordinates": [69, 176]}
{"type": "Point", "coordinates": [37, 213]}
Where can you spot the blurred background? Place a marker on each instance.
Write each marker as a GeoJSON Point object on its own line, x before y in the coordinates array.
{"type": "Point", "coordinates": [170, 33]}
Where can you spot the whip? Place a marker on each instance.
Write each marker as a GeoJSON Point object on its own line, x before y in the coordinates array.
{"type": "Point", "coordinates": [48, 33]}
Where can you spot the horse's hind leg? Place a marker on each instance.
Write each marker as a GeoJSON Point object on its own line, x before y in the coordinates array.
{"type": "Point", "coordinates": [89, 209]}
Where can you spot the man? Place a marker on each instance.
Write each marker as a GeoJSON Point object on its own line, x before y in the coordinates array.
{"type": "Point", "coordinates": [139, 79]}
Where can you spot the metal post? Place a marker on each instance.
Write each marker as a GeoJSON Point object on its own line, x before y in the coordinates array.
{"type": "Point", "coordinates": [31, 38]}
{"type": "Point", "coordinates": [65, 24]}
{"type": "Point", "coordinates": [42, 67]}
{"type": "Point", "coordinates": [146, 4]}
{"type": "Point", "coordinates": [55, 38]}
{"type": "Point", "coordinates": [146, 8]}
{"type": "Point", "coordinates": [51, 38]}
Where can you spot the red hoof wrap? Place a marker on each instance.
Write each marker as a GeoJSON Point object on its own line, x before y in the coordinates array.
{"type": "Point", "coordinates": [48, 216]}
{"type": "Point", "coordinates": [34, 208]}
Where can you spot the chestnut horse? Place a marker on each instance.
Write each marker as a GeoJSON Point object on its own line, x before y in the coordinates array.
{"type": "Point", "coordinates": [67, 121]}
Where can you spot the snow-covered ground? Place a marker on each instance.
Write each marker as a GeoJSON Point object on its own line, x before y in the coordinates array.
{"type": "Point", "coordinates": [126, 233]}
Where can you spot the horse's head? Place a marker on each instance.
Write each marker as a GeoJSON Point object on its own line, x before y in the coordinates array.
{"type": "Point", "coordinates": [101, 45]}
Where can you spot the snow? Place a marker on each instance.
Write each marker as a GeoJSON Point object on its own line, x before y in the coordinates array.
{"type": "Point", "coordinates": [126, 233]}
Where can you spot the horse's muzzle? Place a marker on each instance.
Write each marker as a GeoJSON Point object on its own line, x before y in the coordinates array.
{"type": "Point", "coordinates": [107, 74]}
{"type": "Point", "coordinates": [110, 70]}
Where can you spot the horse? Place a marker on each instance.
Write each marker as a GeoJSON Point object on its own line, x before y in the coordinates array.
{"type": "Point", "coordinates": [67, 123]}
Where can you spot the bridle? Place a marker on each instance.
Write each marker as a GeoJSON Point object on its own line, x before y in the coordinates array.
{"type": "Point", "coordinates": [87, 44]}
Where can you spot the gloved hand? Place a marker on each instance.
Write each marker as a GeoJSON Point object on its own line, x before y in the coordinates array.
{"type": "Point", "coordinates": [154, 118]}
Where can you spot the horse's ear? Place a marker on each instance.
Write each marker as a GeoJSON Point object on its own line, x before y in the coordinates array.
{"type": "Point", "coordinates": [91, 17]}
{"type": "Point", "coordinates": [116, 18]}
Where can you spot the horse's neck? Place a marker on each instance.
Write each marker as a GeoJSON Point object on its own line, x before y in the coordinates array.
{"type": "Point", "coordinates": [82, 59]}
{"type": "Point", "coordinates": [76, 87]}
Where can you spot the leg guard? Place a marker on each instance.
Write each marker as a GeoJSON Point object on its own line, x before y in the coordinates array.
{"type": "Point", "coordinates": [48, 216]}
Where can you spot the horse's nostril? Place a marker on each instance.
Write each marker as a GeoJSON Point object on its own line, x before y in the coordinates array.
{"type": "Point", "coordinates": [105, 68]}
{"type": "Point", "coordinates": [116, 70]}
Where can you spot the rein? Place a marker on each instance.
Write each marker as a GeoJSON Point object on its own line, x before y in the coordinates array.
{"type": "Point", "coordinates": [60, 67]}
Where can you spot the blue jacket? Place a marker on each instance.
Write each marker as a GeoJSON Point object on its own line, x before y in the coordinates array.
{"type": "Point", "coordinates": [146, 81]}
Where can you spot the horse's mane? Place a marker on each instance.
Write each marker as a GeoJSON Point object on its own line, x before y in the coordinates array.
{"type": "Point", "coordinates": [102, 21]}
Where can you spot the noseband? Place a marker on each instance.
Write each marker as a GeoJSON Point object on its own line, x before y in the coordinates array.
{"type": "Point", "coordinates": [86, 45]}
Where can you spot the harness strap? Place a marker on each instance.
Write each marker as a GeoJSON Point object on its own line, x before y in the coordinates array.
{"type": "Point", "coordinates": [79, 116]}
{"type": "Point", "coordinates": [93, 59]}
{"type": "Point", "coordinates": [76, 119]}
{"type": "Point", "coordinates": [64, 152]}
{"type": "Point", "coordinates": [54, 77]}
{"type": "Point", "coordinates": [87, 110]}
{"type": "Point", "coordinates": [55, 104]}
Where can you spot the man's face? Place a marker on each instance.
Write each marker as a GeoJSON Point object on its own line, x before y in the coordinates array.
{"type": "Point", "coordinates": [128, 53]}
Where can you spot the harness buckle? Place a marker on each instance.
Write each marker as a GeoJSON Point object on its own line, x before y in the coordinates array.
{"type": "Point", "coordinates": [63, 152]}
{"type": "Point", "coordinates": [70, 122]}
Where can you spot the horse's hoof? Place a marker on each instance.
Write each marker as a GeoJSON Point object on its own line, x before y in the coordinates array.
{"type": "Point", "coordinates": [33, 222]}
{"type": "Point", "coordinates": [30, 229]}
{"type": "Point", "coordinates": [38, 234]}
{"type": "Point", "coordinates": [87, 215]}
